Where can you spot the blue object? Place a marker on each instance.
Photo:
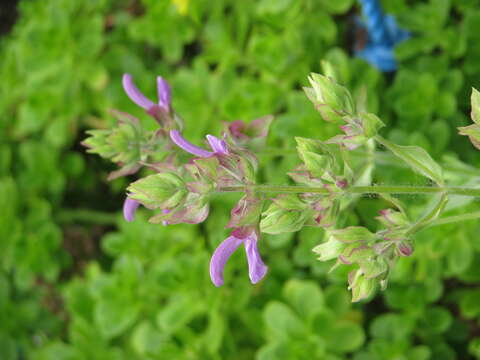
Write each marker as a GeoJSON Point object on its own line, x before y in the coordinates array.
{"type": "Point", "coordinates": [383, 34]}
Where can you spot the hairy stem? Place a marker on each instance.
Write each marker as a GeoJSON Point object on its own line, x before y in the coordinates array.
{"type": "Point", "coordinates": [456, 218]}
{"type": "Point", "coordinates": [430, 216]}
{"type": "Point", "coordinates": [372, 189]}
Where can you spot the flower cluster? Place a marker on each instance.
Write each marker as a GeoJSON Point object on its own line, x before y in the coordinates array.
{"type": "Point", "coordinates": [331, 176]}
{"type": "Point", "coordinates": [179, 190]}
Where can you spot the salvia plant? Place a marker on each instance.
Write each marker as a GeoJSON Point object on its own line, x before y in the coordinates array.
{"type": "Point", "coordinates": [332, 174]}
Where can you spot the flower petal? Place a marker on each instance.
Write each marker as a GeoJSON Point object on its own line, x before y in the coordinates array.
{"type": "Point", "coordinates": [256, 267]}
{"type": "Point", "coordinates": [129, 208]}
{"type": "Point", "coordinates": [220, 256]}
{"type": "Point", "coordinates": [218, 146]}
{"type": "Point", "coordinates": [179, 140]}
{"type": "Point", "coordinates": [134, 94]}
{"type": "Point", "coordinates": [164, 93]}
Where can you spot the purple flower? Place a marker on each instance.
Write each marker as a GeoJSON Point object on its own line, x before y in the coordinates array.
{"type": "Point", "coordinates": [163, 91]}
{"type": "Point", "coordinates": [218, 146]}
{"type": "Point", "coordinates": [129, 208]}
{"type": "Point", "coordinates": [256, 267]}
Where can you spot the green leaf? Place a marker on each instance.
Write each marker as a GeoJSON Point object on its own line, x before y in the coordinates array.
{"type": "Point", "coordinates": [178, 312]}
{"type": "Point", "coordinates": [345, 337]}
{"type": "Point", "coordinates": [146, 340]}
{"type": "Point", "coordinates": [281, 322]}
{"type": "Point", "coordinates": [417, 158]}
{"type": "Point", "coordinates": [437, 319]}
{"type": "Point", "coordinates": [113, 316]}
{"type": "Point", "coordinates": [470, 303]}
{"type": "Point", "coordinates": [305, 297]}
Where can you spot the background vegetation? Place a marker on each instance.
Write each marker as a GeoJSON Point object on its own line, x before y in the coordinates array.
{"type": "Point", "coordinates": [78, 282]}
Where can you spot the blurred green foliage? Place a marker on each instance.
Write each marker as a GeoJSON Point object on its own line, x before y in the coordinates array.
{"type": "Point", "coordinates": [79, 283]}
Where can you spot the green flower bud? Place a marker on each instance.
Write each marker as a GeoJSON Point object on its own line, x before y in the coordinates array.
{"type": "Point", "coordinates": [329, 92]}
{"type": "Point", "coordinates": [360, 286]}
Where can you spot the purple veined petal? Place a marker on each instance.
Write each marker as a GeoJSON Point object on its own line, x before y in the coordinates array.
{"type": "Point", "coordinates": [164, 93]}
{"type": "Point", "coordinates": [218, 146]}
{"type": "Point", "coordinates": [129, 208]}
{"type": "Point", "coordinates": [181, 142]}
{"type": "Point", "coordinates": [220, 257]}
{"type": "Point", "coordinates": [134, 94]}
{"type": "Point", "coordinates": [256, 267]}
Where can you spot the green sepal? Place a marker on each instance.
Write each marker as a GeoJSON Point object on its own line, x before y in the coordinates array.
{"type": "Point", "coordinates": [330, 249]}
{"type": "Point", "coordinates": [290, 202]}
{"type": "Point", "coordinates": [373, 268]}
{"type": "Point", "coordinates": [371, 123]}
{"type": "Point", "coordinates": [473, 133]}
{"type": "Point", "coordinates": [246, 212]}
{"type": "Point", "coordinates": [163, 190]}
{"type": "Point", "coordinates": [360, 286]}
{"type": "Point", "coordinates": [329, 92]}
{"type": "Point", "coordinates": [207, 167]}
{"type": "Point", "coordinates": [193, 209]}
{"type": "Point", "coordinates": [285, 214]}
{"type": "Point", "coordinates": [352, 234]}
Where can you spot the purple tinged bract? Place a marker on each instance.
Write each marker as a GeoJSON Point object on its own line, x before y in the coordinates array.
{"type": "Point", "coordinates": [256, 267]}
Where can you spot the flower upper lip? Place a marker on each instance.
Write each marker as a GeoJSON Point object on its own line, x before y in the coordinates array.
{"type": "Point", "coordinates": [163, 91]}
{"type": "Point", "coordinates": [218, 146]}
{"type": "Point", "coordinates": [256, 268]}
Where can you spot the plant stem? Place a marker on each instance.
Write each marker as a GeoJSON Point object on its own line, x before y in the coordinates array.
{"type": "Point", "coordinates": [373, 189]}
{"type": "Point", "coordinates": [430, 216]}
{"type": "Point", "coordinates": [456, 218]}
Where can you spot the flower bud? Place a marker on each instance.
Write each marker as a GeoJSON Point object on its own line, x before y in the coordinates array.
{"type": "Point", "coordinates": [404, 249]}
{"type": "Point", "coordinates": [360, 286]}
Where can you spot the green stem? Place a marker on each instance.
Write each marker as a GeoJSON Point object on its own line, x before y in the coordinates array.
{"type": "Point", "coordinates": [373, 189]}
{"type": "Point", "coordinates": [456, 218]}
{"type": "Point", "coordinates": [430, 216]}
